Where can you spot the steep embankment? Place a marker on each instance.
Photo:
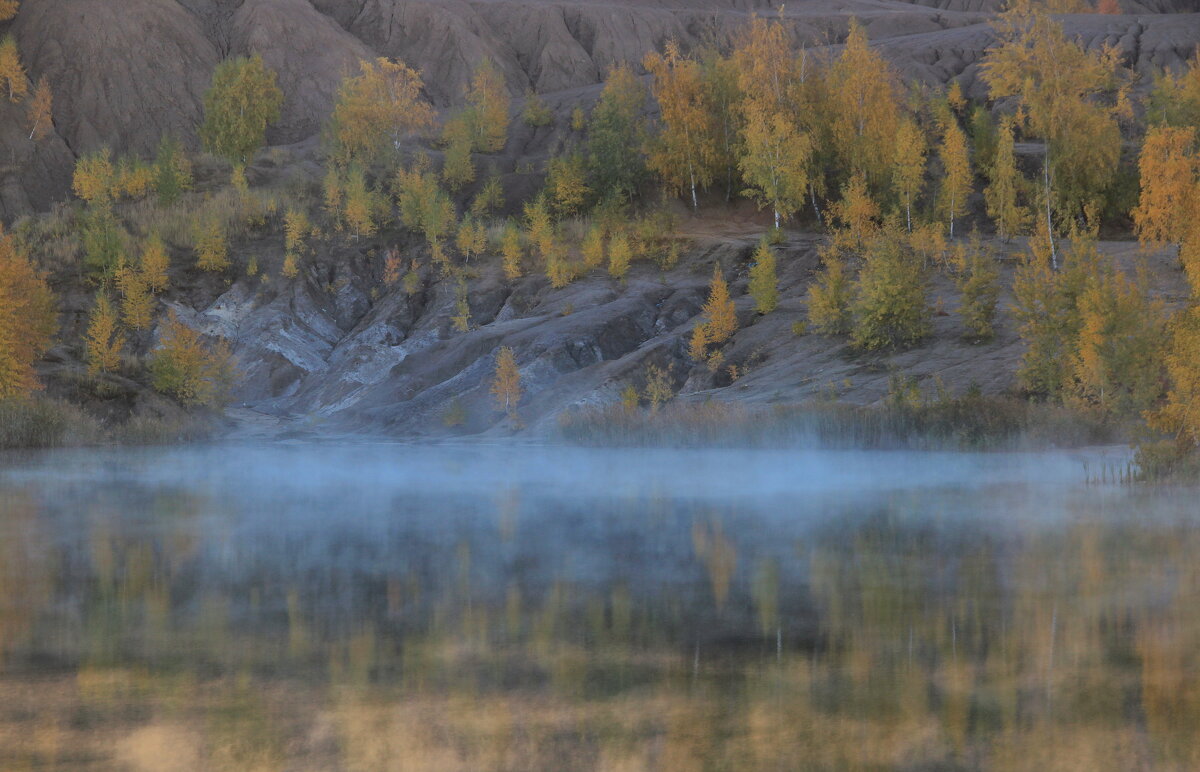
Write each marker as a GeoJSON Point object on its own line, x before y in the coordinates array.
{"type": "Point", "coordinates": [335, 345]}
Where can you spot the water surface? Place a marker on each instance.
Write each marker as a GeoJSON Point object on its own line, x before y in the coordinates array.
{"type": "Point", "coordinates": [374, 606]}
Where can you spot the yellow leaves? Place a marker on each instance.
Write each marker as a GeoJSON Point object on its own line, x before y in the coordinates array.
{"type": "Point", "coordinates": [8, 9]}
{"type": "Point", "coordinates": [957, 179]}
{"type": "Point", "coordinates": [720, 317]}
{"type": "Point", "coordinates": [296, 228]}
{"type": "Point", "coordinates": [40, 111]}
{"type": "Point", "coordinates": [685, 151]}
{"type": "Point", "coordinates": [866, 111]}
{"type": "Point", "coordinates": [472, 237]}
{"type": "Point", "coordinates": [506, 382]}
{"type": "Point", "coordinates": [908, 173]}
{"type": "Point", "coordinates": [137, 304]}
{"type": "Point", "coordinates": [539, 227]}
{"type": "Point", "coordinates": [457, 168]}
{"type": "Point", "coordinates": [360, 204]}
{"type": "Point", "coordinates": [95, 178]}
{"type": "Point", "coordinates": [1001, 195]}
{"type": "Point", "coordinates": [593, 247]}
{"type": "Point", "coordinates": [620, 254]}
{"type": "Point", "coordinates": [1170, 170]}
{"type": "Point", "coordinates": [377, 109]}
{"type": "Point", "coordinates": [511, 251]}
{"type": "Point", "coordinates": [155, 263]}
{"type": "Point", "coordinates": [12, 72]}
{"type": "Point", "coordinates": [28, 319]}
{"type": "Point", "coordinates": [185, 368]}
{"type": "Point", "coordinates": [567, 185]}
{"type": "Point", "coordinates": [775, 161]}
{"type": "Point", "coordinates": [103, 340]}
{"type": "Point", "coordinates": [335, 200]}
{"type": "Point", "coordinates": [490, 102]}
{"type": "Point", "coordinates": [1180, 415]}
{"type": "Point", "coordinates": [291, 266]}
{"type": "Point", "coordinates": [212, 251]}
{"type": "Point", "coordinates": [857, 211]}
{"type": "Point", "coordinates": [134, 179]}
{"type": "Point", "coordinates": [764, 285]}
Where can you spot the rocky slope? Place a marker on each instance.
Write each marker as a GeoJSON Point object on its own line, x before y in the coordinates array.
{"type": "Point", "coordinates": [335, 347]}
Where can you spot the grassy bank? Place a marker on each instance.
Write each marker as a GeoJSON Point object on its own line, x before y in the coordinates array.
{"type": "Point", "coordinates": [46, 422]}
{"type": "Point", "coordinates": [971, 422]}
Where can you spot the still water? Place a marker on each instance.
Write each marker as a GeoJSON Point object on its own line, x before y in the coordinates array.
{"type": "Point", "coordinates": [370, 606]}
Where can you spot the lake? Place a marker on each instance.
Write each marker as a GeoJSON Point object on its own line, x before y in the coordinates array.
{"type": "Point", "coordinates": [385, 606]}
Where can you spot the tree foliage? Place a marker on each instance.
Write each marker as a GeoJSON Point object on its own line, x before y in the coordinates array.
{"type": "Point", "coordinates": [12, 72]}
{"type": "Point", "coordinates": [764, 283]}
{"type": "Point", "coordinates": [684, 153]}
{"type": "Point", "coordinates": [490, 103]}
{"type": "Point", "coordinates": [40, 113]}
{"type": "Point", "coordinates": [103, 340]}
{"type": "Point", "coordinates": [28, 319]}
{"type": "Point", "coordinates": [506, 382]}
{"type": "Point", "coordinates": [239, 105]}
{"type": "Point", "coordinates": [376, 110]}
{"type": "Point", "coordinates": [184, 367]}
{"type": "Point", "coordinates": [616, 135]}
{"type": "Point", "coordinates": [890, 308]}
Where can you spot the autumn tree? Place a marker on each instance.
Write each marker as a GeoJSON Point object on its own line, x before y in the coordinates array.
{"type": "Point", "coordinates": [1001, 195]}
{"type": "Point", "coordinates": [956, 182]}
{"type": "Point", "coordinates": [103, 340]}
{"type": "Point", "coordinates": [490, 103]}
{"type": "Point", "coordinates": [720, 317]}
{"type": "Point", "coordinates": [511, 251]}
{"type": "Point", "coordinates": [1179, 414]}
{"type": "Point", "coordinates": [506, 382]}
{"type": "Point", "coordinates": [620, 253]}
{"type": "Point", "coordinates": [239, 105]}
{"type": "Point", "coordinates": [296, 228]}
{"type": "Point", "coordinates": [489, 199]}
{"type": "Point", "coordinates": [724, 97]}
{"type": "Point", "coordinates": [684, 152]}
{"type": "Point", "coordinates": [1117, 362]}
{"type": "Point", "coordinates": [536, 113]}
{"type": "Point", "coordinates": [908, 170]}
{"type": "Point", "coordinates": [1046, 307]}
{"type": "Point", "coordinates": [155, 263]}
{"type": "Point", "coordinates": [137, 304]}
{"type": "Point", "coordinates": [457, 166]}
{"type": "Point", "coordinates": [471, 239]}
{"type": "Point", "coordinates": [12, 72]}
{"type": "Point", "coordinates": [95, 177]}
{"type": "Point", "coordinates": [775, 162]}
{"type": "Point", "coordinates": [1175, 98]}
{"type": "Point", "coordinates": [979, 283]}
{"type": "Point", "coordinates": [830, 296]}
{"type": "Point", "coordinates": [890, 308]}
{"type": "Point", "coordinates": [857, 212]}
{"type": "Point", "coordinates": [566, 184]}
{"type": "Point", "coordinates": [212, 249]}
{"type": "Point", "coordinates": [334, 196]}
{"type": "Point", "coordinates": [764, 284]}
{"type": "Point", "coordinates": [1070, 98]}
{"type": "Point", "coordinates": [8, 9]}
{"type": "Point", "coordinates": [184, 367]}
{"type": "Point", "coordinates": [1169, 169]}
{"type": "Point", "coordinates": [377, 109]}
{"type": "Point", "coordinates": [28, 319]}
{"type": "Point", "coordinates": [593, 247]}
{"type": "Point", "coordinates": [539, 227]}
{"type": "Point", "coordinates": [616, 134]}
{"type": "Point", "coordinates": [360, 204]}
{"type": "Point", "coordinates": [866, 112]}
{"type": "Point", "coordinates": [39, 114]}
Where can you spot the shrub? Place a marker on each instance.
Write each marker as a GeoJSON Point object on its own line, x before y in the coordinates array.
{"type": "Point", "coordinates": [185, 368]}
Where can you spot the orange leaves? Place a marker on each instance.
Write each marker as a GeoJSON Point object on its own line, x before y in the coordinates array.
{"type": "Point", "coordinates": [377, 109]}
{"type": "Point", "coordinates": [95, 177]}
{"type": "Point", "coordinates": [720, 321]}
{"type": "Point", "coordinates": [8, 9]}
{"type": "Point", "coordinates": [866, 112]}
{"type": "Point", "coordinates": [1169, 169]}
{"type": "Point", "coordinates": [28, 319]}
{"type": "Point", "coordinates": [685, 152]}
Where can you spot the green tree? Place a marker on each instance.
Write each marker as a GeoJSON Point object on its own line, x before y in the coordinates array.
{"type": "Point", "coordinates": [616, 134]}
{"type": "Point", "coordinates": [239, 105]}
{"type": "Point", "coordinates": [979, 283]}
{"type": "Point", "coordinates": [891, 308]}
{"type": "Point", "coordinates": [172, 171]}
{"type": "Point", "coordinates": [764, 284]}
{"type": "Point", "coordinates": [184, 367]}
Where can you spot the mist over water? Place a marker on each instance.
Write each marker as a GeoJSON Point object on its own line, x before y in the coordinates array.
{"type": "Point", "coordinates": [366, 605]}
